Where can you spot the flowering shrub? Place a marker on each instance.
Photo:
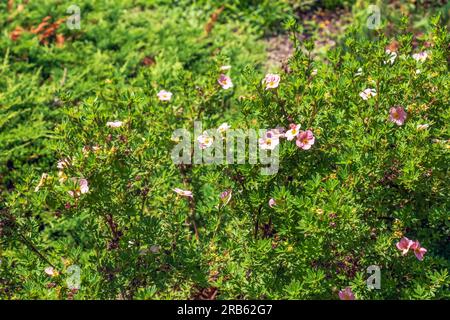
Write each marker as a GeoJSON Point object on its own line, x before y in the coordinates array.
{"type": "Point", "coordinates": [374, 171]}
{"type": "Point", "coordinates": [363, 151]}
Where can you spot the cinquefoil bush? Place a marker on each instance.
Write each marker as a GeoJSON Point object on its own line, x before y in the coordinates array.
{"type": "Point", "coordinates": [363, 143]}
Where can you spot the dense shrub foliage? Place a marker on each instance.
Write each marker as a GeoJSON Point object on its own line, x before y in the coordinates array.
{"type": "Point", "coordinates": [88, 179]}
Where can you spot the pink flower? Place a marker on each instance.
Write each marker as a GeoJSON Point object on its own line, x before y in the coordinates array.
{"type": "Point", "coordinates": [421, 56]}
{"type": "Point", "coordinates": [63, 163]}
{"type": "Point", "coordinates": [204, 140]}
{"type": "Point", "coordinates": [223, 127]}
{"type": "Point", "coordinates": [346, 294]}
{"type": "Point", "coordinates": [368, 93]}
{"type": "Point", "coordinates": [184, 193]}
{"type": "Point", "coordinates": [418, 250]}
{"type": "Point", "coordinates": [225, 196]}
{"type": "Point", "coordinates": [272, 203]}
{"type": "Point", "coordinates": [271, 81]}
{"type": "Point", "coordinates": [269, 141]}
{"type": "Point", "coordinates": [293, 132]}
{"type": "Point", "coordinates": [50, 271]}
{"type": "Point", "coordinates": [114, 124]}
{"type": "Point", "coordinates": [404, 245]}
{"type": "Point", "coordinates": [225, 81]}
{"type": "Point", "coordinates": [305, 139]}
{"type": "Point", "coordinates": [397, 115]}
{"type": "Point", "coordinates": [82, 187]}
{"type": "Point", "coordinates": [164, 95]}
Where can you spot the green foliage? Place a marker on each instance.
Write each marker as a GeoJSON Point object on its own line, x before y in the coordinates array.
{"type": "Point", "coordinates": [341, 206]}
